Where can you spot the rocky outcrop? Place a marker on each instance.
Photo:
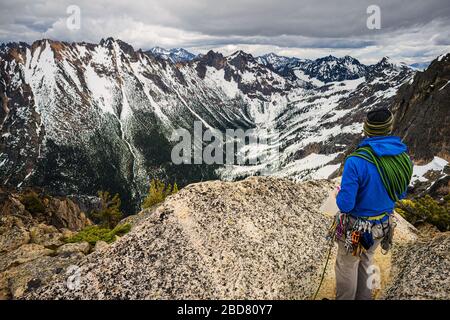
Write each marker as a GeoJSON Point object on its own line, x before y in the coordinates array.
{"type": "Point", "coordinates": [47, 236]}
{"type": "Point", "coordinates": [421, 270]}
{"type": "Point", "coordinates": [422, 116]}
{"type": "Point", "coordinates": [32, 247]}
{"type": "Point", "coordinates": [66, 214]}
{"type": "Point", "coordinates": [16, 281]}
{"type": "Point", "coordinates": [59, 212]}
{"type": "Point", "coordinates": [25, 253]}
{"type": "Point", "coordinates": [70, 248]}
{"type": "Point", "coordinates": [261, 238]}
{"type": "Point", "coordinates": [13, 233]}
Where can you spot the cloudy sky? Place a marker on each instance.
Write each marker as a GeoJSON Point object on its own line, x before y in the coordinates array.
{"type": "Point", "coordinates": [410, 30]}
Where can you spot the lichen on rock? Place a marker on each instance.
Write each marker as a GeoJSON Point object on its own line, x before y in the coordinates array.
{"type": "Point", "coordinates": [260, 238]}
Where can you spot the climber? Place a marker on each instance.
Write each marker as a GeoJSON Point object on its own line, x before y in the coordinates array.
{"type": "Point", "coordinates": [375, 176]}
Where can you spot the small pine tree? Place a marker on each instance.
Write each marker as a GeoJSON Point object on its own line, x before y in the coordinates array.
{"type": "Point", "coordinates": [109, 213]}
{"type": "Point", "coordinates": [158, 192]}
{"type": "Point", "coordinates": [426, 209]}
{"type": "Point", "coordinates": [168, 190]}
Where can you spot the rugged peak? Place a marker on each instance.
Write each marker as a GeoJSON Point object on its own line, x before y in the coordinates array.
{"type": "Point", "coordinates": [331, 68]}
{"type": "Point", "coordinates": [213, 59]}
{"type": "Point", "coordinates": [174, 55]}
{"type": "Point", "coordinates": [350, 59]}
{"type": "Point", "coordinates": [5, 47]}
{"type": "Point", "coordinates": [271, 55]}
{"type": "Point", "coordinates": [442, 59]}
{"type": "Point", "coordinates": [108, 41]}
{"type": "Point", "coordinates": [41, 43]}
{"type": "Point", "coordinates": [238, 53]}
{"type": "Point", "coordinates": [386, 61]}
{"type": "Point", "coordinates": [158, 50]}
{"type": "Point", "coordinates": [329, 58]}
{"type": "Point", "coordinates": [422, 117]}
{"type": "Point", "coordinates": [125, 47]}
{"type": "Point", "coordinates": [240, 59]}
{"type": "Point", "coordinates": [274, 61]}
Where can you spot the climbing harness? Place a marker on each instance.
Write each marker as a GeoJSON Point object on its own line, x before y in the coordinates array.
{"type": "Point", "coordinates": [356, 235]}
{"type": "Point", "coordinates": [366, 240]}
{"type": "Point", "coordinates": [348, 243]}
{"type": "Point", "coordinates": [395, 171]}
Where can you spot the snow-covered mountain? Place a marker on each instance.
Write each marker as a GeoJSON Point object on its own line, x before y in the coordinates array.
{"type": "Point", "coordinates": [326, 69]}
{"type": "Point", "coordinates": [174, 55]}
{"type": "Point", "coordinates": [82, 117]}
{"type": "Point", "coordinates": [275, 61]}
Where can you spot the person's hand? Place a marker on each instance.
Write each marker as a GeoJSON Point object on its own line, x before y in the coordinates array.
{"type": "Point", "coordinates": [336, 191]}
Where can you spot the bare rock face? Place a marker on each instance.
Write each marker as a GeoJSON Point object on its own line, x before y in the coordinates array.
{"type": "Point", "coordinates": [258, 238]}
{"type": "Point", "coordinates": [17, 281]}
{"type": "Point", "coordinates": [421, 111]}
{"type": "Point", "coordinates": [25, 253]}
{"type": "Point", "coordinates": [421, 270]}
{"type": "Point", "coordinates": [64, 213]}
{"type": "Point", "coordinates": [45, 235]}
{"type": "Point", "coordinates": [70, 248]}
{"type": "Point", "coordinates": [13, 234]}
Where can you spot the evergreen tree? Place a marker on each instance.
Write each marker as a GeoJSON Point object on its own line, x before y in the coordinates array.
{"type": "Point", "coordinates": [109, 214]}
{"type": "Point", "coordinates": [426, 210]}
{"type": "Point", "coordinates": [175, 188]}
{"type": "Point", "coordinates": [158, 191]}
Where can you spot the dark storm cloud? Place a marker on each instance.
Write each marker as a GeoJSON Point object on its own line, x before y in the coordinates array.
{"type": "Point", "coordinates": [413, 28]}
{"type": "Point", "coordinates": [310, 18]}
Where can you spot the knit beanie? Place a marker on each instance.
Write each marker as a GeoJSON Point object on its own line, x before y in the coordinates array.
{"type": "Point", "coordinates": [378, 123]}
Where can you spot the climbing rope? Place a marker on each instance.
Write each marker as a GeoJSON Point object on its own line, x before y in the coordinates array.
{"type": "Point", "coordinates": [324, 270]}
{"type": "Point", "coordinates": [336, 227]}
{"type": "Point", "coordinates": [395, 171]}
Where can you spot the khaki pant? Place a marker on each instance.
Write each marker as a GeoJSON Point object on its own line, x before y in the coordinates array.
{"type": "Point", "coordinates": [352, 272]}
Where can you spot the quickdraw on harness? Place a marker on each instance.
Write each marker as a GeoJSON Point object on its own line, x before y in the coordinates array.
{"type": "Point", "coordinates": [395, 171]}
{"type": "Point", "coordinates": [357, 237]}
{"type": "Point", "coordinates": [338, 227]}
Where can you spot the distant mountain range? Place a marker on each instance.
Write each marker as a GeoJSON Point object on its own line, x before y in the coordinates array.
{"type": "Point", "coordinates": [80, 117]}
{"type": "Point", "coordinates": [174, 55]}
{"type": "Point", "coordinates": [313, 68]}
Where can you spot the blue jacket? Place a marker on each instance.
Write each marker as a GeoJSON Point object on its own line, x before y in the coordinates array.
{"type": "Point", "coordinates": [362, 191]}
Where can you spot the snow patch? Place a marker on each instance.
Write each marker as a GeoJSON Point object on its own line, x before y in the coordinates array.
{"type": "Point", "coordinates": [437, 164]}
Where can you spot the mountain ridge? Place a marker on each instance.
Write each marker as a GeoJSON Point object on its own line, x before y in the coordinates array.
{"type": "Point", "coordinates": [106, 111]}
